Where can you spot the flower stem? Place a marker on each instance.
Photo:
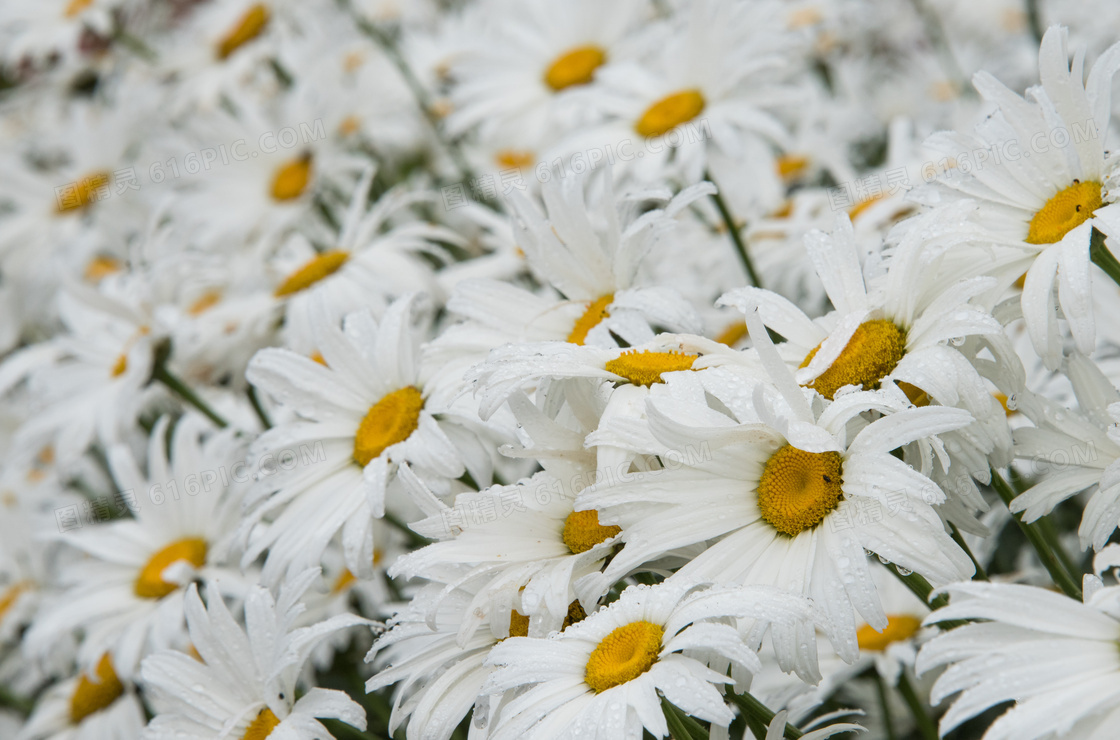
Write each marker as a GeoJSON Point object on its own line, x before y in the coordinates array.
{"type": "Point", "coordinates": [681, 725]}
{"type": "Point", "coordinates": [955, 533]}
{"type": "Point", "coordinates": [1102, 257]}
{"type": "Point", "coordinates": [423, 100]}
{"type": "Point", "coordinates": [256, 403]}
{"type": "Point", "coordinates": [752, 708]}
{"type": "Point", "coordinates": [881, 687]}
{"type": "Point", "coordinates": [736, 235]}
{"type": "Point", "coordinates": [163, 375]}
{"type": "Point", "coordinates": [1046, 550]}
{"type": "Point", "coordinates": [921, 716]}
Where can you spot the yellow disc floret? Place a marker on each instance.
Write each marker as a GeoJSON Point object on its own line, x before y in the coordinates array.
{"type": "Point", "coordinates": [518, 624]}
{"type": "Point", "coordinates": [874, 350]}
{"type": "Point", "coordinates": [899, 627]}
{"type": "Point", "coordinates": [645, 368]}
{"type": "Point", "coordinates": [582, 531]}
{"type": "Point", "coordinates": [11, 594]}
{"type": "Point", "coordinates": [74, 7]}
{"type": "Point", "coordinates": [150, 584]}
{"type": "Point", "coordinates": [391, 420]}
{"type": "Point", "coordinates": [1064, 212]}
{"type": "Point", "coordinates": [596, 312]}
{"type": "Point", "coordinates": [92, 696]}
{"type": "Point", "coordinates": [89, 189]}
{"type": "Point", "coordinates": [314, 270]}
{"type": "Point", "coordinates": [262, 726]}
{"type": "Point", "coordinates": [798, 489]}
{"type": "Point", "coordinates": [248, 28]}
{"type": "Point", "coordinates": [576, 67]}
{"type": "Point", "coordinates": [291, 179]}
{"type": "Point", "coordinates": [623, 655]}
{"type": "Point", "coordinates": [669, 112]}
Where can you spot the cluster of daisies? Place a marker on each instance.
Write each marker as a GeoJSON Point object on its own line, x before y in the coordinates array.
{"type": "Point", "coordinates": [504, 369]}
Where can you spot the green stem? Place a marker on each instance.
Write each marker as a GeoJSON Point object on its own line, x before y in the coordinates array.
{"type": "Point", "coordinates": [981, 574]}
{"type": "Point", "coordinates": [881, 687]}
{"type": "Point", "coordinates": [681, 725]}
{"type": "Point", "coordinates": [10, 700]}
{"type": "Point", "coordinates": [163, 375]}
{"type": "Point", "coordinates": [753, 708]}
{"type": "Point", "coordinates": [343, 730]}
{"type": "Point", "coordinates": [255, 400]}
{"type": "Point", "coordinates": [1034, 20]}
{"type": "Point", "coordinates": [1036, 536]}
{"type": "Point", "coordinates": [1102, 257]}
{"type": "Point", "coordinates": [736, 235]}
{"type": "Point", "coordinates": [921, 716]}
{"type": "Point", "coordinates": [387, 45]}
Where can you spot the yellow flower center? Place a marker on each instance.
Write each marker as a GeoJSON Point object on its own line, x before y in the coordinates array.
{"type": "Point", "coordinates": [150, 583]}
{"type": "Point", "coordinates": [345, 578]}
{"type": "Point", "coordinates": [120, 366]}
{"type": "Point", "coordinates": [76, 6]}
{"type": "Point", "coordinates": [917, 396]}
{"type": "Point", "coordinates": [248, 28]}
{"type": "Point", "coordinates": [204, 302]}
{"type": "Point", "coordinates": [623, 655]}
{"type": "Point", "coordinates": [93, 696]}
{"type": "Point", "coordinates": [899, 627]}
{"type": "Point", "coordinates": [863, 205]}
{"type": "Point", "coordinates": [101, 267]}
{"type": "Point", "coordinates": [798, 489]}
{"type": "Point", "coordinates": [596, 312]}
{"type": "Point", "coordinates": [514, 158]}
{"type": "Point", "coordinates": [262, 726]}
{"type": "Point", "coordinates": [874, 350]}
{"type": "Point", "coordinates": [1064, 212]}
{"type": "Point", "coordinates": [518, 624]}
{"type": "Point", "coordinates": [292, 178]}
{"type": "Point", "coordinates": [735, 332]}
{"type": "Point", "coordinates": [314, 270]}
{"type": "Point", "coordinates": [575, 614]}
{"type": "Point", "coordinates": [670, 112]}
{"type": "Point", "coordinates": [391, 420]}
{"type": "Point", "coordinates": [576, 67]}
{"type": "Point", "coordinates": [85, 191]}
{"type": "Point", "coordinates": [582, 531]}
{"type": "Point", "coordinates": [792, 165]}
{"type": "Point", "coordinates": [13, 592]}
{"type": "Point", "coordinates": [645, 368]}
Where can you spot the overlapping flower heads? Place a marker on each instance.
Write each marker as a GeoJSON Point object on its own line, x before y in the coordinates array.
{"type": "Point", "coordinates": [514, 369]}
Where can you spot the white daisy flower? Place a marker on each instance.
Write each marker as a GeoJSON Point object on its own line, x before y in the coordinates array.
{"type": "Point", "coordinates": [85, 385]}
{"type": "Point", "coordinates": [1073, 451]}
{"type": "Point", "coordinates": [1044, 186]}
{"type": "Point", "coordinates": [602, 676]}
{"type": "Point", "coordinates": [127, 597]}
{"type": "Point", "coordinates": [440, 671]}
{"type": "Point", "coordinates": [705, 92]}
{"type": "Point", "coordinates": [1053, 657]}
{"type": "Point", "coordinates": [526, 365]}
{"type": "Point", "coordinates": [524, 543]}
{"type": "Point", "coordinates": [901, 326]}
{"type": "Point", "coordinates": [371, 262]}
{"type": "Point", "coordinates": [370, 408]}
{"type": "Point", "coordinates": [512, 83]}
{"type": "Point", "coordinates": [778, 498]}
{"type": "Point", "coordinates": [93, 706]}
{"type": "Point", "coordinates": [592, 258]}
{"type": "Point", "coordinates": [244, 683]}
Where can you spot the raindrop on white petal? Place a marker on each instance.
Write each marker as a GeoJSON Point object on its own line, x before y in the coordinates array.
{"type": "Point", "coordinates": [1012, 402]}
{"type": "Point", "coordinates": [883, 560]}
{"type": "Point", "coordinates": [903, 571]}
